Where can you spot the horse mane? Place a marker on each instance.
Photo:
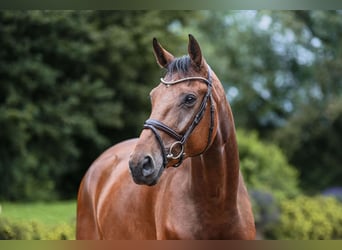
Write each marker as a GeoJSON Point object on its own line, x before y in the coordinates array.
{"type": "Point", "coordinates": [180, 65]}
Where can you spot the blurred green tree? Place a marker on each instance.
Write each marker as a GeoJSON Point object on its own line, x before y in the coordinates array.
{"type": "Point", "coordinates": [312, 137]}
{"type": "Point", "coordinates": [50, 100]}
{"type": "Point", "coordinates": [72, 83]}
{"type": "Point", "coordinates": [277, 66]}
{"type": "Point", "coordinates": [265, 167]}
{"type": "Point", "coordinates": [312, 140]}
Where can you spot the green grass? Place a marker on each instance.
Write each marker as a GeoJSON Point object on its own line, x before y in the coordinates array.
{"type": "Point", "coordinates": [50, 214]}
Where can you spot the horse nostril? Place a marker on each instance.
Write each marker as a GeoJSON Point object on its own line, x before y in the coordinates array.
{"type": "Point", "coordinates": [147, 166]}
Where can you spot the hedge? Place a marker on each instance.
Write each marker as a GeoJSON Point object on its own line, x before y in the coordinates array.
{"type": "Point", "coordinates": [265, 167]}
{"type": "Point", "coordinates": [32, 230]}
{"type": "Point", "coordinates": [304, 218]}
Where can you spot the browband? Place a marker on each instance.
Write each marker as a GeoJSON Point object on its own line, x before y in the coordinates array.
{"type": "Point", "coordinates": [184, 79]}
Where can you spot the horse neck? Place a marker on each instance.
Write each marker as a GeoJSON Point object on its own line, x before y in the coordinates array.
{"type": "Point", "coordinates": [215, 174]}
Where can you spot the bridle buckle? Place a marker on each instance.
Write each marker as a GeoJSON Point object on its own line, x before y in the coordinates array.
{"type": "Point", "coordinates": [173, 154]}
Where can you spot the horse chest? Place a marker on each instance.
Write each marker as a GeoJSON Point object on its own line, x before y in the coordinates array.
{"type": "Point", "coordinates": [192, 227]}
{"type": "Point", "coordinates": [186, 220]}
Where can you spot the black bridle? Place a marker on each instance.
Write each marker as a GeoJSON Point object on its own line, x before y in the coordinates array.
{"type": "Point", "coordinates": [155, 125]}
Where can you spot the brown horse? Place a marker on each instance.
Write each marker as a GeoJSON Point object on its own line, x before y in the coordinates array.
{"type": "Point", "coordinates": [191, 127]}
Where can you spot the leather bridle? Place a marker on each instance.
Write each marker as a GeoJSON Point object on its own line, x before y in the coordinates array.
{"type": "Point", "coordinates": [155, 125]}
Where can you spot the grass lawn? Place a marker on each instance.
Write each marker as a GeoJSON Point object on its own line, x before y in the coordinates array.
{"type": "Point", "coordinates": [50, 214]}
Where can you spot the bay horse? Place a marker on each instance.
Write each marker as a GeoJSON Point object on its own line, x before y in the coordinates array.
{"type": "Point", "coordinates": [180, 179]}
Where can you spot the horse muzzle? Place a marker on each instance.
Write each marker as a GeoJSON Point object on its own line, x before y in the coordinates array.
{"type": "Point", "coordinates": [144, 170]}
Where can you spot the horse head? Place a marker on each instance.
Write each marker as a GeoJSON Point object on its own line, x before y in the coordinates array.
{"type": "Point", "coordinates": [182, 120]}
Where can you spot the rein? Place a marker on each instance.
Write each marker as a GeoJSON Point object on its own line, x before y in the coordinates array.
{"type": "Point", "coordinates": [154, 125]}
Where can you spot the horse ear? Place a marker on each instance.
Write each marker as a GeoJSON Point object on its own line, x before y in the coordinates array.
{"type": "Point", "coordinates": [195, 52]}
{"type": "Point", "coordinates": [163, 57]}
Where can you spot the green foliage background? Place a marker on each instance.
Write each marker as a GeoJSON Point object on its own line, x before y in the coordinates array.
{"type": "Point", "coordinates": [268, 172]}
{"type": "Point", "coordinates": [306, 218]}
{"type": "Point", "coordinates": [282, 71]}
{"type": "Point", "coordinates": [33, 230]}
{"type": "Point", "coordinates": [73, 83]}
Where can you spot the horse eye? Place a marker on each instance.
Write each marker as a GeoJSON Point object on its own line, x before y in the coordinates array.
{"type": "Point", "coordinates": [189, 99]}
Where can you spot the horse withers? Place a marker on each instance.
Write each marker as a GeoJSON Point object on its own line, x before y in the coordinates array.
{"type": "Point", "coordinates": [180, 179]}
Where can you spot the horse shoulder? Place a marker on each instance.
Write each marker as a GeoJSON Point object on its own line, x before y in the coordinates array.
{"type": "Point", "coordinates": [107, 165]}
{"type": "Point", "coordinates": [100, 179]}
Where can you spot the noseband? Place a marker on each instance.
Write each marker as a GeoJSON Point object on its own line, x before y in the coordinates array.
{"type": "Point", "coordinates": [155, 125]}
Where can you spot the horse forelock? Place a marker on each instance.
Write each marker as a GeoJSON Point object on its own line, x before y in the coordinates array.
{"type": "Point", "coordinates": [180, 65]}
